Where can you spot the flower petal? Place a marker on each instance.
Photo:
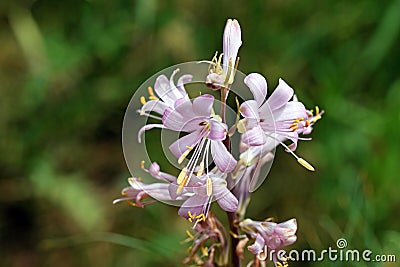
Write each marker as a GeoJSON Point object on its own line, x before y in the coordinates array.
{"type": "Point", "coordinates": [154, 105]}
{"type": "Point", "coordinates": [249, 109]}
{"type": "Point", "coordinates": [226, 200]}
{"type": "Point", "coordinates": [194, 204]}
{"type": "Point", "coordinates": [184, 79]}
{"type": "Point", "coordinates": [146, 128]}
{"type": "Point", "coordinates": [167, 92]}
{"type": "Point", "coordinates": [280, 96]}
{"type": "Point", "coordinates": [202, 105]}
{"type": "Point", "coordinates": [222, 158]}
{"type": "Point", "coordinates": [232, 41]}
{"type": "Point", "coordinates": [258, 245]}
{"type": "Point", "coordinates": [218, 130]}
{"type": "Point", "coordinates": [258, 86]}
{"type": "Point", "coordinates": [254, 137]}
{"type": "Point", "coordinates": [179, 146]}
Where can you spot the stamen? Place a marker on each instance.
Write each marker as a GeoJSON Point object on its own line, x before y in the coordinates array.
{"type": "Point", "coordinates": [201, 169]}
{"type": "Point", "coordinates": [142, 164]}
{"type": "Point", "coordinates": [316, 110]}
{"type": "Point", "coordinates": [209, 186]}
{"type": "Point", "coordinates": [200, 217]}
{"type": "Point", "coordinates": [183, 156]}
{"type": "Point", "coordinates": [305, 164]}
{"type": "Point", "coordinates": [180, 187]}
{"type": "Point", "coordinates": [150, 90]}
{"type": "Point", "coordinates": [143, 100]}
{"type": "Point", "coordinates": [189, 234]}
{"type": "Point", "coordinates": [189, 147]}
{"type": "Point", "coordinates": [182, 175]}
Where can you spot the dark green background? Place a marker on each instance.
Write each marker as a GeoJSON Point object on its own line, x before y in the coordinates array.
{"type": "Point", "coordinates": [69, 68]}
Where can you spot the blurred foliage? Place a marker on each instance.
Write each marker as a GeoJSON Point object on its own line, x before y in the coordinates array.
{"type": "Point", "coordinates": [69, 68]}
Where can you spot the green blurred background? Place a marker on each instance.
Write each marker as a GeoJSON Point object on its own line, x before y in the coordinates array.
{"type": "Point", "coordinates": [69, 68]}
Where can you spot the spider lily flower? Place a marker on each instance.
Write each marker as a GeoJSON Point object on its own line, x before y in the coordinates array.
{"type": "Point", "coordinates": [275, 120]}
{"type": "Point", "coordinates": [137, 191]}
{"type": "Point", "coordinates": [205, 189]}
{"type": "Point", "coordinates": [223, 75]}
{"type": "Point", "coordinates": [206, 133]}
{"type": "Point", "coordinates": [269, 235]}
{"type": "Point", "coordinates": [165, 96]}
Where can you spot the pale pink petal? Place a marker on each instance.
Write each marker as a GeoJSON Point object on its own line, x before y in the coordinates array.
{"type": "Point", "coordinates": [222, 158]}
{"type": "Point", "coordinates": [254, 137]}
{"type": "Point", "coordinates": [169, 94]}
{"type": "Point", "coordinates": [226, 200]}
{"type": "Point", "coordinates": [146, 128]}
{"type": "Point", "coordinates": [258, 245]}
{"type": "Point", "coordinates": [154, 105]}
{"type": "Point", "coordinates": [258, 86]}
{"type": "Point", "coordinates": [202, 105]}
{"type": "Point", "coordinates": [195, 205]}
{"type": "Point", "coordinates": [184, 79]}
{"type": "Point", "coordinates": [218, 130]}
{"type": "Point", "coordinates": [232, 41]}
{"type": "Point", "coordinates": [280, 96]}
{"type": "Point", "coordinates": [249, 109]}
{"type": "Point", "coordinates": [179, 146]}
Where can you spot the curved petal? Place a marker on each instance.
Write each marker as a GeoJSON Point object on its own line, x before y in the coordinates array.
{"type": "Point", "coordinates": [173, 120]}
{"type": "Point", "coordinates": [254, 137]}
{"type": "Point", "coordinates": [249, 109]}
{"type": "Point", "coordinates": [169, 94]}
{"type": "Point", "coordinates": [184, 79]}
{"type": "Point", "coordinates": [226, 200]}
{"type": "Point", "coordinates": [218, 130]}
{"type": "Point", "coordinates": [202, 105]}
{"type": "Point", "coordinates": [146, 128]}
{"type": "Point", "coordinates": [258, 245]}
{"type": "Point", "coordinates": [222, 158]}
{"type": "Point", "coordinates": [194, 204]}
{"type": "Point", "coordinates": [154, 105]}
{"type": "Point", "coordinates": [280, 96]}
{"type": "Point", "coordinates": [180, 146]}
{"type": "Point", "coordinates": [258, 86]}
{"type": "Point", "coordinates": [232, 41]}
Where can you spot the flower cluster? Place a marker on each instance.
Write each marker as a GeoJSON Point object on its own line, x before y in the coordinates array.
{"type": "Point", "coordinates": [209, 170]}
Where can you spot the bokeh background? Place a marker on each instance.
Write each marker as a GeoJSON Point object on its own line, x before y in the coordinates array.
{"type": "Point", "coordinates": [69, 68]}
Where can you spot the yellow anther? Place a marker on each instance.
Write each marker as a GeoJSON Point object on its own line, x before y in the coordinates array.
{"type": "Point", "coordinates": [209, 186]}
{"type": "Point", "coordinates": [189, 234]}
{"type": "Point", "coordinates": [189, 147]}
{"type": "Point", "coordinates": [201, 169]}
{"type": "Point", "coordinates": [152, 97]}
{"type": "Point", "coordinates": [130, 202]}
{"type": "Point", "coordinates": [200, 217]}
{"type": "Point", "coordinates": [204, 251]}
{"type": "Point", "coordinates": [189, 249]}
{"type": "Point", "coordinates": [316, 110]}
{"type": "Point", "coordinates": [150, 90]}
{"type": "Point", "coordinates": [131, 180]}
{"type": "Point", "coordinates": [316, 118]}
{"type": "Point", "coordinates": [182, 175]}
{"type": "Point", "coordinates": [183, 156]}
{"type": "Point", "coordinates": [305, 164]}
{"type": "Point", "coordinates": [142, 164]}
{"type": "Point", "coordinates": [143, 100]}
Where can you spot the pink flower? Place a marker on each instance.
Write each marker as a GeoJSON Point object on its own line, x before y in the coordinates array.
{"type": "Point", "coordinates": [221, 75]}
{"type": "Point", "coordinates": [281, 117]}
{"type": "Point", "coordinates": [269, 235]}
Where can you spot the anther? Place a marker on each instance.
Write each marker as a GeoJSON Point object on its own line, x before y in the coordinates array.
{"type": "Point", "coordinates": [183, 156]}
{"type": "Point", "coordinates": [182, 175]}
{"type": "Point", "coordinates": [142, 164]}
{"type": "Point", "coordinates": [201, 169]}
{"type": "Point", "coordinates": [143, 100]}
{"type": "Point", "coordinates": [305, 164]}
{"type": "Point", "coordinates": [189, 234]}
{"type": "Point", "coordinates": [209, 186]}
